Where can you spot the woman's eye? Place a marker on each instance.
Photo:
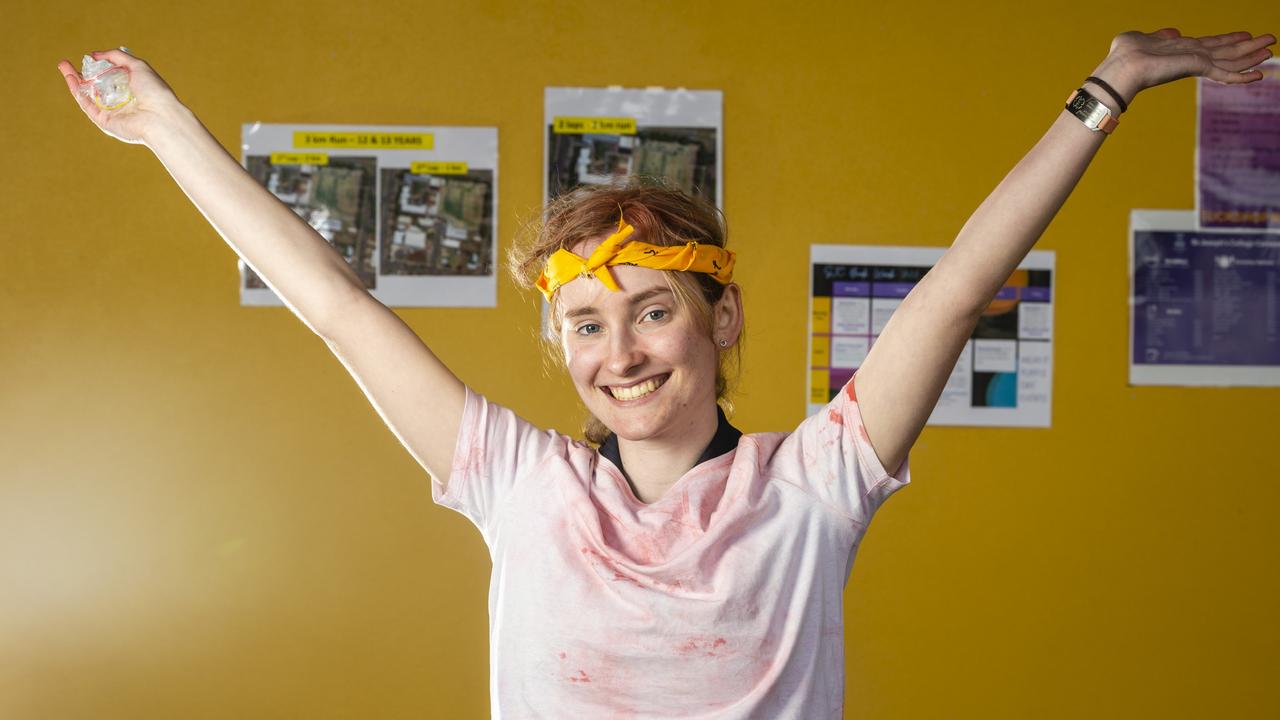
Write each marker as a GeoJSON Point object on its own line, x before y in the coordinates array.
{"type": "Point", "coordinates": [588, 329]}
{"type": "Point", "coordinates": [655, 315]}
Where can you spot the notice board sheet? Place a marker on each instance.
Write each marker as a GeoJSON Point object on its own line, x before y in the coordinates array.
{"type": "Point", "coordinates": [412, 209]}
{"type": "Point", "coordinates": [598, 136]}
{"type": "Point", "coordinates": [1205, 303]}
{"type": "Point", "coordinates": [1238, 152]}
{"type": "Point", "coordinates": [1004, 376]}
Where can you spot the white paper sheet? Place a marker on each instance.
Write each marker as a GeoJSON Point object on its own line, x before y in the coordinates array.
{"type": "Point", "coordinates": [1004, 376]}
{"type": "Point", "coordinates": [596, 135]}
{"type": "Point", "coordinates": [1204, 304]}
{"type": "Point", "coordinates": [413, 209]}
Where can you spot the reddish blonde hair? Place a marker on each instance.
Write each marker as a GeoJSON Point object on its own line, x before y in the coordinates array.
{"type": "Point", "coordinates": [661, 215]}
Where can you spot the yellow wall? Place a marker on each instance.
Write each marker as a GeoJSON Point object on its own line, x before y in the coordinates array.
{"type": "Point", "coordinates": [201, 517]}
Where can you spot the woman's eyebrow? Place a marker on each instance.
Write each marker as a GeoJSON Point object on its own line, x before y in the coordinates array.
{"type": "Point", "coordinates": [650, 293]}
{"type": "Point", "coordinates": [579, 312]}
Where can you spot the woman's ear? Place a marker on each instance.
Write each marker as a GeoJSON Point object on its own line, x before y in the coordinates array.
{"type": "Point", "coordinates": [726, 317]}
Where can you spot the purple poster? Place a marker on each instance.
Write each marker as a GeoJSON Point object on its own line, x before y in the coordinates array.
{"type": "Point", "coordinates": [1238, 153]}
{"type": "Point", "coordinates": [1205, 303]}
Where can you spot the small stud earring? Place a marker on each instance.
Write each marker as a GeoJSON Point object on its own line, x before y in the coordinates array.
{"type": "Point", "coordinates": [724, 343]}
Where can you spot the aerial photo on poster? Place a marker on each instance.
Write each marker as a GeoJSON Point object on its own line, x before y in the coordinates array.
{"type": "Point", "coordinates": [437, 223]}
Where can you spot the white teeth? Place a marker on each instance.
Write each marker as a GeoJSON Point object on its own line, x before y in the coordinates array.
{"type": "Point", "coordinates": [636, 391]}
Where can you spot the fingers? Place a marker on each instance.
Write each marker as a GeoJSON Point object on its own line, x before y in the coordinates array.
{"type": "Point", "coordinates": [1262, 41]}
{"type": "Point", "coordinates": [1167, 33]}
{"type": "Point", "coordinates": [69, 71]}
{"type": "Point", "coordinates": [72, 83]}
{"type": "Point", "coordinates": [1227, 77]}
{"type": "Point", "coordinates": [72, 77]}
{"type": "Point", "coordinates": [1242, 55]}
{"type": "Point", "coordinates": [118, 57]}
{"type": "Point", "coordinates": [1213, 41]}
{"type": "Point", "coordinates": [1253, 59]}
{"type": "Point", "coordinates": [1246, 47]}
{"type": "Point", "coordinates": [73, 86]}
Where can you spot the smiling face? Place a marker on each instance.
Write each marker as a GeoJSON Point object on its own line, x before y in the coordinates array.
{"type": "Point", "coordinates": [644, 364]}
{"type": "Point", "coordinates": [682, 353]}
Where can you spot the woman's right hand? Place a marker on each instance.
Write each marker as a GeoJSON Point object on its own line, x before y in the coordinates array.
{"type": "Point", "coordinates": [153, 101]}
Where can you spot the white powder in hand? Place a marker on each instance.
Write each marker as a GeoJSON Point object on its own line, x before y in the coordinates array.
{"type": "Point", "coordinates": [106, 84]}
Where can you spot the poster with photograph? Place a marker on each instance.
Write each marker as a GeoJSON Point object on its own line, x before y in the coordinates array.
{"type": "Point", "coordinates": [1004, 376]}
{"type": "Point", "coordinates": [598, 135]}
{"type": "Point", "coordinates": [1205, 303]}
{"type": "Point", "coordinates": [1238, 153]}
{"type": "Point", "coordinates": [413, 209]}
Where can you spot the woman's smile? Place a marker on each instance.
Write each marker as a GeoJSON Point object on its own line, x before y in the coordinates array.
{"type": "Point", "coordinates": [633, 393]}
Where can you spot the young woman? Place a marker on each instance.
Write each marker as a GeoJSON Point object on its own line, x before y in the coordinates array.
{"type": "Point", "coordinates": [682, 569]}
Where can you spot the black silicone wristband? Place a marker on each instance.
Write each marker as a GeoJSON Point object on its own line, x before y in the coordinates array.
{"type": "Point", "coordinates": [1110, 91]}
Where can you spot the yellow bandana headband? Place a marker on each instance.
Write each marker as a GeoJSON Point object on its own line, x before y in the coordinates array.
{"type": "Point", "coordinates": [564, 266]}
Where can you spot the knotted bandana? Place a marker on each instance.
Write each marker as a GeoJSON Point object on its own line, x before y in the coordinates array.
{"type": "Point", "coordinates": [564, 266]}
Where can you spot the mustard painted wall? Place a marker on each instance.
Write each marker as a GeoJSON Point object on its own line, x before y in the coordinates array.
{"type": "Point", "coordinates": [201, 516]}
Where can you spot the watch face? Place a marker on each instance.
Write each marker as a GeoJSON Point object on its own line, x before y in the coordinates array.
{"type": "Point", "coordinates": [1079, 101]}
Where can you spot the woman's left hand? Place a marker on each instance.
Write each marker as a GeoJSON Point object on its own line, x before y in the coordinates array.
{"type": "Point", "coordinates": [1138, 61]}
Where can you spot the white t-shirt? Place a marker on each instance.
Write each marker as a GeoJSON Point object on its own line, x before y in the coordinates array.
{"type": "Point", "coordinates": [723, 599]}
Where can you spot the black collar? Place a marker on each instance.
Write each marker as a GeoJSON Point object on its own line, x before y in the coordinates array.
{"type": "Point", "coordinates": [725, 439]}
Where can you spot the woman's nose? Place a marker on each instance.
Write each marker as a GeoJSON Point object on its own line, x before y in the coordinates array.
{"type": "Point", "coordinates": [625, 353]}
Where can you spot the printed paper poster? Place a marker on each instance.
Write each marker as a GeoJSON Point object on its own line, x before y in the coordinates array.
{"type": "Point", "coordinates": [1238, 153]}
{"type": "Point", "coordinates": [1205, 304]}
{"type": "Point", "coordinates": [413, 209]}
{"type": "Point", "coordinates": [1004, 376]}
{"type": "Point", "coordinates": [599, 135]}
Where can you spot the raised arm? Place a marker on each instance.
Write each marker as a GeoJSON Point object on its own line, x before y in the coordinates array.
{"type": "Point", "coordinates": [903, 375]}
{"type": "Point", "coordinates": [416, 395]}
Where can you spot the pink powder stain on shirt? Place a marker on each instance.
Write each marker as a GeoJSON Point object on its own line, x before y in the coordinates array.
{"type": "Point", "coordinates": [609, 686]}
{"type": "Point", "coordinates": [704, 645]}
{"type": "Point", "coordinates": [472, 464]}
{"type": "Point", "coordinates": [669, 525]}
{"type": "Point", "coordinates": [602, 560]}
{"type": "Point", "coordinates": [808, 457]}
{"type": "Point", "coordinates": [848, 390]}
{"type": "Point", "coordinates": [611, 516]}
{"type": "Point", "coordinates": [680, 512]}
{"type": "Point", "coordinates": [835, 417]}
{"type": "Point", "coordinates": [607, 562]}
{"type": "Point", "coordinates": [816, 462]}
{"type": "Point", "coordinates": [646, 549]}
{"type": "Point", "coordinates": [626, 578]}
